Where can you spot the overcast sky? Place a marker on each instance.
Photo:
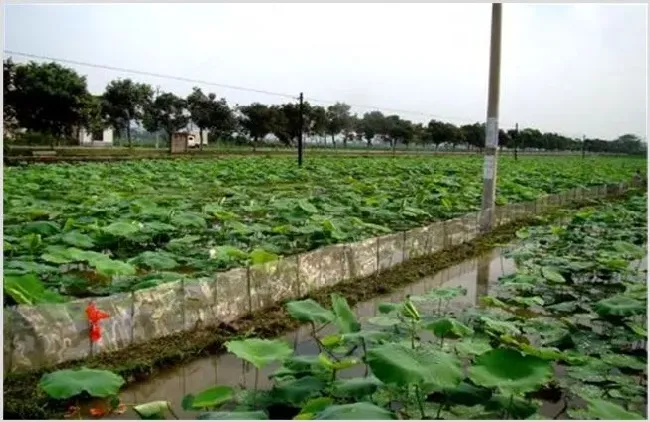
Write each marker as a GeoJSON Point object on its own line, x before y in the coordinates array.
{"type": "Point", "coordinates": [573, 69]}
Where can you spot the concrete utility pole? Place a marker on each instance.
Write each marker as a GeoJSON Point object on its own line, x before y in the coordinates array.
{"type": "Point", "coordinates": [301, 127]}
{"type": "Point", "coordinates": [492, 124]}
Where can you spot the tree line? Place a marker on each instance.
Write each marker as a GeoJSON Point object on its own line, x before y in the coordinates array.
{"type": "Point", "coordinates": [52, 99]}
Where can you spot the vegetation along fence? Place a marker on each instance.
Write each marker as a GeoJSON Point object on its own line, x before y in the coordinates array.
{"type": "Point", "coordinates": [47, 334]}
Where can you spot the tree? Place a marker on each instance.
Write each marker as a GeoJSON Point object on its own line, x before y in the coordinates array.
{"type": "Point", "coordinates": [198, 104]}
{"type": "Point", "coordinates": [338, 120]}
{"type": "Point", "coordinates": [209, 113]}
{"type": "Point", "coordinates": [8, 86]}
{"type": "Point", "coordinates": [256, 121]}
{"type": "Point", "coordinates": [167, 112]}
{"type": "Point", "coordinates": [373, 124]}
{"type": "Point", "coordinates": [124, 102]}
{"type": "Point", "coordinates": [530, 138]}
{"type": "Point", "coordinates": [286, 121]}
{"type": "Point", "coordinates": [419, 134]}
{"type": "Point", "coordinates": [317, 121]}
{"type": "Point", "coordinates": [222, 121]}
{"type": "Point", "coordinates": [504, 139]}
{"type": "Point", "coordinates": [92, 115]}
{"type": "Point", "coordinates": [438, 133]}
{"type": "Point", "coordinates": [474, 135]}
{"type": "Point", "coordinates": [397, 130]}
{"type": "Point", "coordinates": [629, 144]}
{"type": "Point", "coordinates": [46, 98]}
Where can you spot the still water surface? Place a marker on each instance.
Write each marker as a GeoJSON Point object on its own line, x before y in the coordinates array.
{"type": "Point", "coordinates": [476, 275]}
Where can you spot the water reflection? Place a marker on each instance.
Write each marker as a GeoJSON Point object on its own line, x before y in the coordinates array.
{"type": "Point", "coordinates": [476, 275]}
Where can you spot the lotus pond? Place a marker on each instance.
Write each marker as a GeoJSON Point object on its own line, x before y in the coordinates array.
{"type": "Point", "coordinates": [568, 327]}
{"type": "Point", "coordinates": [95, 229]}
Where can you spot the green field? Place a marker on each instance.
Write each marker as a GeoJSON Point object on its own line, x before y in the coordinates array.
{"type": "Point", "coordinates": [94, 229]}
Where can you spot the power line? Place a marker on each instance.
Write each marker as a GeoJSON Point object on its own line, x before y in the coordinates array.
{"type": "Point", "coordinates": [392, 110]}
{"type": "Point", "coordinates": [233, 87]}
{"type": "Point", "coordinates": [156, 75]}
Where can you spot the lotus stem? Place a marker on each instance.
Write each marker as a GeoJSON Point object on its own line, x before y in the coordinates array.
{"type": "Point", "coordinates": [313, 334]}
{"type": "Point", "coordinates": [365, 352]}
{"type": "Point", "coordinates": [418, 395]}
{"type": "Point", "coordinates": [442, 404]}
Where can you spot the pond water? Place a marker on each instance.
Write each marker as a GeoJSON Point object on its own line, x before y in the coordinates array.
{"type": "Point", "coordinates": [476, 275]}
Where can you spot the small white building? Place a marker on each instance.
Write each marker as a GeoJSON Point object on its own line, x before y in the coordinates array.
{"type": "Point", "coordinates": [100, 138]}
{"type": "Point", "coordinates": [194, 138]}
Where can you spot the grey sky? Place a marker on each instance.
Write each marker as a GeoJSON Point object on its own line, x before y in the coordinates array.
{"type": "Point", "coordinates": [573, 69]}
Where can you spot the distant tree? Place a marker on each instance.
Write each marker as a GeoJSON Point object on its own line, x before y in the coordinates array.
{"type": "Point", "coordinates": [8, 86]}
{"type": "Point", "coordinates": [124, 102]}
{"type": "Point", "coordinates": [286, 121]}
{"type": "Point", "coordinates": [474, 135]}
{"type": "Point", "coordinates": [505, 141]}
{"type": "Point", "coordinates": [338, 121]}
{"type": "Point", "coordinates": [46, 98]}
{"type": "Point", "coordinates": [530, 138]}
{"type": "Point", "coordinates": [93, 118]}
{"type": "Point", "coordinates": [222, 121]}
{"type": "Point", "coordinates": [167, 112]}
{"type": "Point", "coordinates": [419, 134]}
{"type": "Point", "coordinates": [628, 143]}
{"type": "Point", "coordinates": [317, 121]}
{"type": "Point", "coordinates": [373, 124]}
{"type": "Point", "coordinates": [397, 130]}
{"type": "Point", "coordinates": [438, 133]}
{"type": "Point", "coordinates": [207, 112]}
{"type": "Point", "coordinates": [199, 105]}
{"type": "Point", "coordinates": [256, 120]}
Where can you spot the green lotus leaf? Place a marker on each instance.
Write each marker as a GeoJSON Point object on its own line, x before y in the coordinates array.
{"type": "Point", "coordinates": [297, 391]}
{"type": "Point", "coordinates": [619, 306]}
{"type": "Point", "coordinates": [121, 229]}
{"type": "Point", "coordinates": [212, 397]}
{"type": "Point", "coordinates": [309, 310]}
{"type": "Point", "coordinates": [44, 228]}
{"type": "Point", "coordinates": [355, 388]}
{"type": "Point", "coordinates": [28, 289]}
{"type": "Point", "coordinates": [355, 411]}
{"type": "Point", "coordinates": [189, 219]}
{"type": "Point", "coordinates": [449, 328]}
{"type": "Point", "coordinates": [510, 371]}
{"type": "Point", "coordinates": [397, 364]}
{"type": "Point", "coordinates": [154, 410]}
{"type": "Point", "coordinates": [500, 327]}
{"type": "Point", "coordinates": [552, 274]}
{"type": "Point", "coordinates": [259, 352]}
{"type": "Point", "coordinates": [78, 239]}
{"type": "Point", "coordinates": [155, 260]}
{"type": "Point", "coordinates": [313, 406]}
{"type": "Point", "coordinates": [624, 361]}
{"type": "Point", "coordinates": [233, 416]}
{"type": "Point", "coordinates": [602, 409]}
{"type": "Point", "coordinates": [346, 320]}
{"type": "Point", "coordinates": [472, 346]}
{"type": "Point", "coordinates": [68, 383]}
{"type": "Point", "coordinates": [112, 267]}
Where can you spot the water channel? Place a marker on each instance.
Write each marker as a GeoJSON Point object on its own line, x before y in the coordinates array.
{"type": "Point", "coordinates": [475, 275]}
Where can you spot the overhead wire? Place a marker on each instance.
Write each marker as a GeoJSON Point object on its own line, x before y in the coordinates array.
{"type": "Point", "coordinates": [233, 87]}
